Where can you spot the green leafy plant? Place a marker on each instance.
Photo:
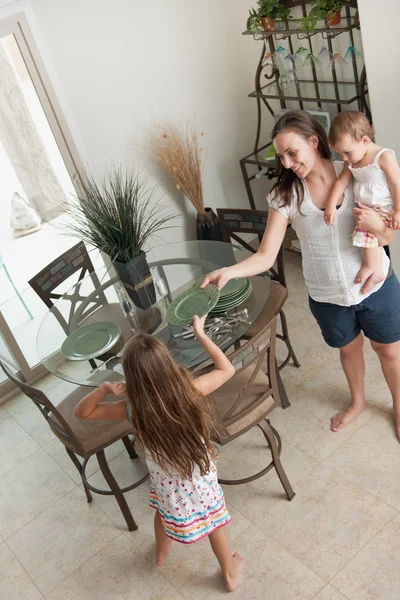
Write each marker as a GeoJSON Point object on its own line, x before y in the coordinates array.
{"type": "Point", "coordinates": [272, 9]}
{"type": "Point", "coordinates": [321, 9]}
{"type": "Point", "coordinates": [117, 214]}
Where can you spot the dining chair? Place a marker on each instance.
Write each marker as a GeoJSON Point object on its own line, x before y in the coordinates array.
{"type": "Point", "coordinates": [236, 222]}
{"type": "Point", "coordinates": [75, 260]}
{"type": "Point", "coordinates": [86, 438]}
{"type": "Point", "coordinates": [246, 400]}
{"type": "Point", "coordinates": [45, 283]}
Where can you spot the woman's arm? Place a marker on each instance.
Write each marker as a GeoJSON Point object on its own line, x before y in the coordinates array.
{"type": "Point", "coordinates": [390, 167]}
{"type": "Point", "coordinates": [259, 262]}
{"type": "Point", "coordinates": [369, 220]}
{"type": "Point", "coordinates": [336, 194]}
{"type": "Point", "coordinates": [224, 370]}
{"type": "Point", "coordinates": [90, 409]}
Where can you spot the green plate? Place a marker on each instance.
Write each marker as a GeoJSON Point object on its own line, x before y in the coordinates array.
{"type": "Point", "coordinates": [194, 301]}
{"type": "Point", "coordinates": [220, 309]}
{"type": "Point", "coordinates": [236, 299]}
{"type": "Point", "coordinates": [91, 340]}
{"type": "Point", "coordinates": [233, 287]}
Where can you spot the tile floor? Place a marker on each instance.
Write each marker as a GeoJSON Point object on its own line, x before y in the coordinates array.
{"type": "Point", "coordinates": [338, 539]}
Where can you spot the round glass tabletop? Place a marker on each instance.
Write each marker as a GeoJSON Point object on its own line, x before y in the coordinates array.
{"type": "Point", "coordinates": [82, 336]}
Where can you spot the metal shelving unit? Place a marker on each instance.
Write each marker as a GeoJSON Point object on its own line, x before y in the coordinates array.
{"type": "Point", "coordinates": [325, 91]}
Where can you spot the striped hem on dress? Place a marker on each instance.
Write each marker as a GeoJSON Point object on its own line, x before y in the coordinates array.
{"type": "Point", "coordinates": [200, 525]}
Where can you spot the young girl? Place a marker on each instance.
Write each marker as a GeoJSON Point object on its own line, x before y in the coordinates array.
{"type": "Point", "coordinates": [166, 407]}
{"type": "Point", "coordinates": [377, 184]}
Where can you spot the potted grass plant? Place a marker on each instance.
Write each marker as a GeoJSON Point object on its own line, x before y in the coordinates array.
{"type": "Point", "coordinates": [177, 149]}
{"type": "Point", "coordinates": [117, 214]}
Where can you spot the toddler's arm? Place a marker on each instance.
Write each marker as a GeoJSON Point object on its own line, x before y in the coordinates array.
{"type": "Point", "coordinates": [336, 194]}
{"type": "Point", "coordinates": [90, 408]}
{"type": "Point", "coordinates": [390, 167]}
{"type": "Point", "coordinates": [224, 370]}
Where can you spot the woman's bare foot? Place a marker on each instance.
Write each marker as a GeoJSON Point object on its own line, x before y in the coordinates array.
{"type": "Point", "coordinates": [232, 577]}
{"type": "Point", "coordinates": [163, 553]}
{"type": "Point", "coordinates": [342, 419]}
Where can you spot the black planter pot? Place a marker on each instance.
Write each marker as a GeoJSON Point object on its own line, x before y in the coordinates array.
{"type": "Point", "coordinates": [136, 278]}
{"type": "Point", "coordinates": [208, 227]}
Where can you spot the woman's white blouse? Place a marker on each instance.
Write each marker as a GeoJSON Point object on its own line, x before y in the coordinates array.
{"type": "Point", "coordinates": [330, 261]}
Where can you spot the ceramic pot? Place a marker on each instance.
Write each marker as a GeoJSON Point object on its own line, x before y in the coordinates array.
{"type": "Point", "coordinates": [136, 278]}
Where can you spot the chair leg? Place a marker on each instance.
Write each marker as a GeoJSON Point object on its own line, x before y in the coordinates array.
{"type": "Point", "coordinates": [129, 447]}
{"type": "Point", "coordinates": [275, 380]}
{"type": "Point", "coordinates": [79, 467]}
{"type": "Point", "coordinates": [285, 334]}
{"type": "Point", "coordinates": [285, 403]}
{"type": "Point", "coordinates": [271, 439]}
{"type": "Point", "coordinates": [116, 490]}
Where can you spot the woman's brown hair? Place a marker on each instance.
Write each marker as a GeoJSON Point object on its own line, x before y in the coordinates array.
{"type": "Point", "coordinates": [287, 182]}
{"type": "Point", "coordinates": [168, 413]}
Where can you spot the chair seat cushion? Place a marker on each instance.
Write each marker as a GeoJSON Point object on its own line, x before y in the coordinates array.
{"type": "Point", "coordinates": [254, 405]}
{"type": "Point", "coordinates": [93, 435]}
{"type": "Point", "coordinates": [276, 300]}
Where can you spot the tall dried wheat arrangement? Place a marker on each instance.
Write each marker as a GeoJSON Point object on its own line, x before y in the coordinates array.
{"type": "Point", "coordinates": [177, 149]}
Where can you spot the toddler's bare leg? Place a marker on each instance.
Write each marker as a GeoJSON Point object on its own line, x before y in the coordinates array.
{"type": "Point", "coordinates": [371, 268]}
{"type": "Point", "coordinates": [231, 565]}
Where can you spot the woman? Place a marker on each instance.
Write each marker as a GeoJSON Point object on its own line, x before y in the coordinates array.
{"type": "Point", "coordinates": [343, 309]}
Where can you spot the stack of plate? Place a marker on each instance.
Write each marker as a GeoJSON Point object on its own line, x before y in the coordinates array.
{"type": "Point", "coordinates": [234, 293]}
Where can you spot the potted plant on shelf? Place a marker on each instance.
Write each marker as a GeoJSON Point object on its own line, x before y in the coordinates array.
{"type": "Point", "coordinates": [117, 214]}
{"type": "Point", "coordinates": [264, 17]}
{"type": "Point", "coordinates": [177, 149]}
{"type": "Point", "coordinates": [322, 9]}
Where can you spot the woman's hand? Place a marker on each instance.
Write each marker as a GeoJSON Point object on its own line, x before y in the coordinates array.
{"type": "Point", "coordinates": [396, 220]}
{"type": "Point", "coordinates": [198, 326]}
{"type": "Point", "coordinates": [117, 388]}
{"type": "Point", "coordinates": [368, 219]}
{"type": "Point", "coordinates": [220, 277]}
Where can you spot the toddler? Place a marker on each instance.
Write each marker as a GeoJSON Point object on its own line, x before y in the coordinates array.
{"type": "Point", "coordinates": [376, 184]}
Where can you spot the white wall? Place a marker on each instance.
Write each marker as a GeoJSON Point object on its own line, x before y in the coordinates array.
{"type": "Point", "coordinates": [380, 36]}
{"type": "Point", "coordinates": [119, 66]}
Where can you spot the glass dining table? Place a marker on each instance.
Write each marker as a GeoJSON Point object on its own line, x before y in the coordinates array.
{"type": "Point", "coordinates": [96, 299]}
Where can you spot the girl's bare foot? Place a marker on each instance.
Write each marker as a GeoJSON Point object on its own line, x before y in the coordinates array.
{"type": "Point", "coordinates": [342, 419]}
{"type": "Point", "coordinates": [372, 276]}
{"type": "Point", "coordinates": [163, 553]}
{"type": "Point", "coordinates": [363, 274]}
{"type": "Point", "coordinates": [232, 577]}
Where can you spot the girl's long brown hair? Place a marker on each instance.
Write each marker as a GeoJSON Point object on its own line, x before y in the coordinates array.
{"type": "Point", "coordinates": [169, 415]}
{"type": "Point", "coordinates": [287, 182]}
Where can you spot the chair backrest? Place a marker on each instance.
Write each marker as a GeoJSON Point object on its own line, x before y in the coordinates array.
{"type": "Point", "coordinates": [247, 398]}
{"type": "Point", "coordinates": [59, 270]}
{"type": "Point", "coordinates": [57, 423]}
{"type": "Point", "coordinates": [234, 221]}
{"type": "Point", "coordinates": [74, 260]}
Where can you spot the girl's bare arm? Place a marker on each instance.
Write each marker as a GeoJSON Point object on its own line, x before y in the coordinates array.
{"type": "Point", "coordinates": [336, 194]}
{"type": "Point", "coordinates": [224, 370]}
{"type": "Point", "coordinates": [390, 167]}
{"type": "Point", "coordinates": [89, 408]}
